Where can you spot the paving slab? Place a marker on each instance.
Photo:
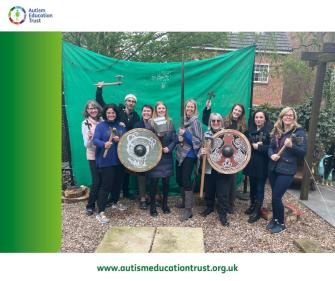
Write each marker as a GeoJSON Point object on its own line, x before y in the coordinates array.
{"type": "Point", "coordinates": [178, 240]}
{"type": "Point", "coordinates": [308, 246]}
{"type": "Point", "coordinates": [320, 201]}
{"type": "Point", "coordinates": [127, 240]}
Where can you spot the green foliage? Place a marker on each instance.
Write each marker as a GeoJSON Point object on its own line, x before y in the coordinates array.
{"type": "Point", "coordinates": [298, 80]}
{"type": "Point", "coordinates": [147, 46]}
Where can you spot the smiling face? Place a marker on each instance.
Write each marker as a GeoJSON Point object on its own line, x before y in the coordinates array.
{"type": "Point", "coordinates": [146, 113]}
{"type": "Point", "coordinates": [161, 110]}
{"type": "Point", "coordinates": [190, 109]}
{"type": "Point", "coordinates": [259, 119]}
{"type": "Point", "coordinates": [216, 123]}
{"type": "Point", "coordinates": [288, 118]}
{"type": "Point", "coordinates": [110, 114]}
{"type": "Point", "coordinates": [237, 112]}
{"type": "Point", "coordinates": [130, 104]}
{"type": "Point", "coordinates": [92, 111]}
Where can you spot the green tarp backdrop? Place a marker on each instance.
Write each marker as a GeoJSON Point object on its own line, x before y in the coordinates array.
{"type": "Point", "coordinates": [228, 75]}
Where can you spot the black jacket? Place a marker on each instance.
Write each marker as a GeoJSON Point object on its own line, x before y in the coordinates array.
{"type": "Point", "coordinates": [258, 164]}
{"type": "Point", "coordinates": [129, 120]}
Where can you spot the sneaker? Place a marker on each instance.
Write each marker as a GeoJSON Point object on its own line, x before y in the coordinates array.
{"type": "Point", "coordinates": [101, 217]}
{"type": "Point", "coordinates": [278, 228]}
{"type": "Point", "coordinates": [119, 206]}
{"type": "Point", "coordinates": [89, 211]}
{"type": "Point", "coordinates": [270, 225]}
{"type": "Point", "coordinates": [223, 220]}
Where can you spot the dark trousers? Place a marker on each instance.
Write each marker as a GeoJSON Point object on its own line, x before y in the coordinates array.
{"type": "Point", "coordinates": [154, 185]}
{"type": "Point", "coordinates": [232, 191]}
{"type": "Point", "coordinates": [257, 189]}
{"type": "Point", "coordinates": [279, 184]}
{"type": "Point", "coordinates": [112, 179]}
{"type": "Point", "coordinates": [217, 184]}
{"type": "Point", "coordinates": [96, 182]}
{"type": "Point", "coordinates": [125, 185]}
{"type": "Point", "coordinates": [184, 173]}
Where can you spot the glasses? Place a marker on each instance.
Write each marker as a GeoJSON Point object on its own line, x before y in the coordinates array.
{"type": "Point", "coordinates": [91, 108]}
{"type": "Point", "coordinates": [215, 121]}
{"type": "Point", "coordinates": [289, 115]}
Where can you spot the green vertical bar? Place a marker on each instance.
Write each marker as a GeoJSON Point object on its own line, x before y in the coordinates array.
{"type": "Point", "coordinates": [30, 173]}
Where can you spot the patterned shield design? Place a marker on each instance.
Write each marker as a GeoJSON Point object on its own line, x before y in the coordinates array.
{"type": "Point", "coordinates": [230, 151]}
{"type": "Point", "coordinates": [139, 150]}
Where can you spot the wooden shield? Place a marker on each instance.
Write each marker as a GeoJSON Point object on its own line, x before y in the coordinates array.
{"type": "Point", "coordinates": [139, 150]}
{"type": "Point", "coordinates": [230, 151]}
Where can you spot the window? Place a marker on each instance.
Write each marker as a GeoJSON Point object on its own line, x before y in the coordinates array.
{"type": "Point", "coordinates": [261, 73]}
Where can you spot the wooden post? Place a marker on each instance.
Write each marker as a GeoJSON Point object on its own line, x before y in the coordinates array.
{"type": "Point", "coordinates": [320, 59]}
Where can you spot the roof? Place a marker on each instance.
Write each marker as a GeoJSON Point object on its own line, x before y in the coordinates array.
{"type": "Point", "coordinates": [267, 42]}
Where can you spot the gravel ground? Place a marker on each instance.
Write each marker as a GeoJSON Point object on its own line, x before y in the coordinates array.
{"type": "Point", "coordinates": [83, 234]}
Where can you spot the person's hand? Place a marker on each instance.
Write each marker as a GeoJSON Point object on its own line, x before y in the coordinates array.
{"type": "Point", "coordinates": [89, 135]}
{"type": "Point", "coordinates": [208, 104]}
{"type": "Point", "coordinates": [275, 157]}
{"type": "Point", "coordinates": [181, 131]}
{"type": "Point", "coordinates": [203, 151]}
{"type": "Point", "coordinates": [288, 142]}
{"type": "Point", "coordinates": [122, 124]}
{"type": "Point", "coordinates": [255, 145]}
{"type": "Point", "coordinates": [180, 138]}
{"type": "Point", "coordinates": [116, 138]}
{"type": "Point", "coordinates": [166, 150]}
{"type": "Point", "coordinates": [100, 84]}
{"type": "Point", "coordinates": [108, 144]}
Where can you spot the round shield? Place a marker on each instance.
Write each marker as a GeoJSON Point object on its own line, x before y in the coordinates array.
{"type": "Point", "coordinates": [230, 151]}
{"type": "Point", "coordinates": [139, 150]}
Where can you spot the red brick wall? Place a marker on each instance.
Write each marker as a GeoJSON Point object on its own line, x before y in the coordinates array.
{"type": "Point", "coordinates": [270, 93]}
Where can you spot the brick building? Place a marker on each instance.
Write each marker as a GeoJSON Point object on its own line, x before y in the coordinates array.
{"type": "Point", "coordinates": [271, 49]}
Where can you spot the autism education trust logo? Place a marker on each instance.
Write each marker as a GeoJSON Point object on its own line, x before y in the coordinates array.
{"type": "Point", "coordinates": [17, 15]}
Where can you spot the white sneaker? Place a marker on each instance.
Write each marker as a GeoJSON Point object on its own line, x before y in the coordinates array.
{"type": "Point", "coordinates": [119, 206]}
{"type": "Point", "coordinates": [101, 217]}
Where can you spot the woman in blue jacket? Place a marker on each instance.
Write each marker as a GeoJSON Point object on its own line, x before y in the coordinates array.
{"type": "Point", "coordinates": [107, 160]}
{"type": "Point", "coordinates": [288, 137]}
{"type": "Point", "coordinates": [257, 169]}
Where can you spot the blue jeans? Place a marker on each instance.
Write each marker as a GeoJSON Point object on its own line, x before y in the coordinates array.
{"type": "Point", "coordinates": [257, 189]}
{"type": "Point", "coordinates": [279, 184]}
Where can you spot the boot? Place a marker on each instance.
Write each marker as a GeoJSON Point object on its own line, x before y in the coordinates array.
{"type": "Point", "coordinates": [153, 211]}
{"type": "Point", "coordinates": [223, 219]}
{"type": "Point", "coordinates": [181, 205]}
{"type": "Point", "coordinates": [165, 207]}
{"type": "Point", "coordinates": [187, 211]}
{"type": "Point", "coordinates": [250, 209]}
{"type": "Point", "coordinates": [256, 214]}
{"type": "Point", "coordinates": [207, 211]}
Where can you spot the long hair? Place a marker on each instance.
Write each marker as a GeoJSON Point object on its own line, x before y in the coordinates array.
{"type": "Point", "coordinates": [196, 113]}
{"type": "Point", "coordinates": [267, 122]}
{"type": "Point", "coordinates": [155, 114]}
{"type": "Point", "coordinates": [95, 105]}
{"type": "Point", "coordinates": [278, 128]}
{"type": "Point", "coordinates": [241, 123]}
{"type": "Point", "coordinates": [115, 108]}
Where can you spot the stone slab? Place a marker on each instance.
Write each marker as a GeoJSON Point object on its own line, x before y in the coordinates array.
{"type": "Point", "coordinates": [308, 246]}
{"type": "Point", "coordinates": [127, 240]}
{"type": "Point", "coordinates": [178, 240]}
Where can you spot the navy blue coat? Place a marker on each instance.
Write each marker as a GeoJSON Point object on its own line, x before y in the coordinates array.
{"type": "Point", "coordinates": [258, 164]}
{"type": "Point", "coordinates": [165, 166]}
{"type": "Point", "coordinates": [287, 163]}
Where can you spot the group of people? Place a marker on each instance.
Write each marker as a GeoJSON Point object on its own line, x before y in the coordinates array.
{"type": "Point", "coordinates": [275, 152]}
